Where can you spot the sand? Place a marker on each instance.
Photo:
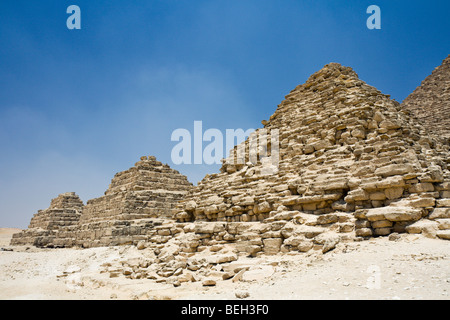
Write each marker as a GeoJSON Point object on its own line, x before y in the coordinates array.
{"type": "Point", "coordinates": [413, 267]}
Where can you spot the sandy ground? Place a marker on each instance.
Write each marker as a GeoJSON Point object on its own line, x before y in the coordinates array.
{"type": "Point", "coordinates": [413, 267]}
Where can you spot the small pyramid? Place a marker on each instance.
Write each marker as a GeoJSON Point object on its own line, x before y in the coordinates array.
{"type": "Point", "coordinates": [430, 102]}
{"type": "Point", "coordinates": [346, 152]}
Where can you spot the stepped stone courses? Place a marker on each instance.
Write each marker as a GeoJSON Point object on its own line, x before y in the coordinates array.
{"type": "Point", "coordinates": [352, 164]}
{"type": "Point", "coordinates": [150, 189]}
{"type": "Point", "coordinates": [430, 102]}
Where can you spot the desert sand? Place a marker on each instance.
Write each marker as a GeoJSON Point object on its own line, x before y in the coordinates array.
{"type": "Point", "coordinates": [412, 267]}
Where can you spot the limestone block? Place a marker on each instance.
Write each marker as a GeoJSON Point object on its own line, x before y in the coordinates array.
{"type": "Point", "coordinates": [382, 231]}
{"type": "Point", "coordinates": [377, 196]}
{"type": "Point", "coordinates": [444, 194]}
{"type": "Point", "coordinates": [258, 273]}
{"type": "Point", "coordinates": [382, 224]}
{"type": "Point", "coordinates": [272, 245]}
{"type": "Point", "coordinates": [423, 202]}
{"type": "Point", "coordinates": [263, 207]}
{"type": "Point", "coordinates": [359, 224]}
{"type": "Point", "coordinates": [190, 205]}
{"type": "Point", "coordinates": [421, 187]}
{"type": "Point", "coordinates": [357, 195]}
{"type": "Point", "coordinates": [293, 241]}
{"type": "Point", "coordinates": [394, 213]}
{"type": "Point", "coordinates": [346, 227]}
{"type": "Point", "coordinates": [426, 227]}
{"type": "Point", "coordinates": [305, 245]}
{"type": "Point", "coordinates": [329, 240]}
{"type": "Point", "coordinates": [443, 203]}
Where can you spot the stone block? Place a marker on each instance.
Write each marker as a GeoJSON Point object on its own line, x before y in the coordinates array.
{"type": "Point", "coordinates": [272, 245]}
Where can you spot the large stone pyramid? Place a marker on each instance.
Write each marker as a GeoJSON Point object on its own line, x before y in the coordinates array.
{"type": "Point", "coordinates": [430, 102]}
{"type": "Point", "coordinates": [350, 160]}
{"type": "Point", "coordinates": [337, 161]}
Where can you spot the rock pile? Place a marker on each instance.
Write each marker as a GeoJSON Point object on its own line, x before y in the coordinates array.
{"type": "Point", "coordinates": [430, 102]}
{"type": "Point", "coordinates": [190, 252]}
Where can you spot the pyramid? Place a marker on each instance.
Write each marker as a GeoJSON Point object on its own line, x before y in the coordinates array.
{"type": "Point", "coordinates": [351, 161]}
{"type": "Point", "coordinates": [150, 189]}
{"type": "Point", "coordinates": [430, 102]}
{"type": "Point", "coordinates": [64, 211]}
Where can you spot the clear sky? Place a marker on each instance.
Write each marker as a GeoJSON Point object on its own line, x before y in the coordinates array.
{"type": "Point", "coordinates": [77, 106]}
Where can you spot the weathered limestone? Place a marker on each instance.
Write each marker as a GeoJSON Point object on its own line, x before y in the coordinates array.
{"type": "Point", "coordinates": [64, 212]}
{"type": "Point", "coordinates": [150, 189]}
{"type": "Point", "coordinates": [147, 190]}
{"type": "Point", "coordinates": [430, 102]}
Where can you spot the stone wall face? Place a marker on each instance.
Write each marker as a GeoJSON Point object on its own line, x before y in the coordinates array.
{"type": "Point", "coordinates": [430, 102]}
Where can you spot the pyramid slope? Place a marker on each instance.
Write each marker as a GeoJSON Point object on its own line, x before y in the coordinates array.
{"type": "Point", "coordinates": [430, 102]}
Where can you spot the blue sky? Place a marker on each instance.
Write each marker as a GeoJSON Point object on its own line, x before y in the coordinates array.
{"type": "Point", "coordinates": [77, 106]}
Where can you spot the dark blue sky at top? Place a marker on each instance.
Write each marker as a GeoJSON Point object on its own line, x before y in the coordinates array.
{"type": "Point", "coordinates": [77, 106]}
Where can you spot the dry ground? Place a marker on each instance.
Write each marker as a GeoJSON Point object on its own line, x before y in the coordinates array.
{"type": "Point", "coordinates": [413, 267]}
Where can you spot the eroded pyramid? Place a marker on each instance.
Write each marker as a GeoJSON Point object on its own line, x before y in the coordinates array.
{"type": "Point", "coordinates": [64, 211]}
{"type": "Point", "coordinates": [430, 102]}
{"type": "Point", "coordinates": [351, 161]}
